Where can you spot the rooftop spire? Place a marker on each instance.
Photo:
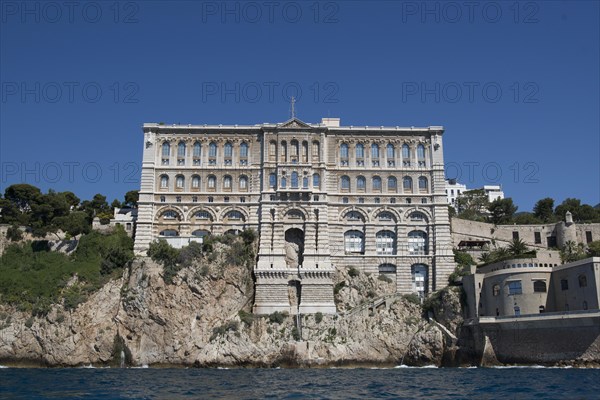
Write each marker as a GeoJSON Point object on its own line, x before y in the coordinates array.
{"type": "Point", "coordinates": [293, 109]}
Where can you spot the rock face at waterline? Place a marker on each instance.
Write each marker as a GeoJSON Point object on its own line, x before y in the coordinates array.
{"type": "Point", "coordinates": [141, 320]}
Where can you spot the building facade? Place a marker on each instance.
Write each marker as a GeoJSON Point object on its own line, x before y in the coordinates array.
{"type": "Point", "coordinates": [453, 190]}
{"type": "Point", "coordinates": [321, 196]}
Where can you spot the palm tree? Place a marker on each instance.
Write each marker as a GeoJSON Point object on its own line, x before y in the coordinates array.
{"type": "Point", "coordinates": [517, 247]}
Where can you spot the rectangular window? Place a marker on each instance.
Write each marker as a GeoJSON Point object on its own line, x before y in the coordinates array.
{"type": "Point", "coordinates": [514, 287]}
{"type": "Point", "coordinates": [564, 284]}
{"type": "Point", "coordinates": [588, 236]}
{"type": "Point", "coordinates": [537, 237]}
{"type": "Point", "coordinates": [515, 235]}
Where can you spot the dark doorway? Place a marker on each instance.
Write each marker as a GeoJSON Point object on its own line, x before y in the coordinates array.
{"type": "Point", "coordinates": [294, 247]}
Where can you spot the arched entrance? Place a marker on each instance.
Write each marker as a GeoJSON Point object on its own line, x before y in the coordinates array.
{"type": "Point", "coordinates": [294, 247]}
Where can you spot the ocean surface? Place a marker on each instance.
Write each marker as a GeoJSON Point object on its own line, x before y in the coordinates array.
{"type": "Point", "coordinates": [359, 383]}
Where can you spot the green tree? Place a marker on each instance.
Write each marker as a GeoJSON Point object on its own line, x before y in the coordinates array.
{"type": "Point", "coordinates": [526, 218]}
{"type": "Point", "coordinates": [572, 251]}
{"type": "Point", "coordinates": [74, 224]}
{"type": "Point", "coordinates": [451, 211]}
{"type": "Point", "coordinates": [115, 204]}
{"type": "Point", "coordinates": [544, 209]}
{"type": "Point", "coordinates": [580, 212]}
{"type": "Point", "coordinates": [517, 247]}
{"type": "Point", "coordinates": [502, 211]}
{"type": "Point", "coordinates": [97, 207]}
{"type": "Point", "coordinates": [594, 249]}
{"type": "Point", "coordinates": [131, 198]}
{"type": "Point", "coordinates": [472, 205]}
{"type": "Point", "coordinates": [23, 196]}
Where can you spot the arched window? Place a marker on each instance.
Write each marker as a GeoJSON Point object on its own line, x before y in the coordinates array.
{"type": "Point", "coordinates": [354, 216]}
{"type": "Point", "coordinates": [197, 149]}
{"type": "Point", "coordinates": [374, 151]}
{"type": "Point", "coordinates": [417, 243]}
{"type": "Point", "coordinates": [496, 290]}
{"type": "Point", "coordinates": [272, 180]}
{"type": "Point", "coordinates": [234, 215]}
{"type": "Point", "coordinates": [419, 279]}
{"type": "Point", "coordinates": [377, 183]}
{"type": "Point", "coordinates": [283, 182]}
{"type": "Point", "coordinates": [228, 150]}
{"type": "Point", "coordinates": [170, 214]}
{"type": "Point", "coordinates": [166, 149]}
{"type": "Point", "coordinates": [212, 153]}
{"type": "Point", "coordinates": [294, 180]}
{"type": "Point", "coordinates": [164, 181]}
{"type": "Point", "coordinates": [316, 151]}
{"type": "Point", "coordinates": [316, 181]}
{"type": "Point", "coordinates": [169, 233]}
{"type": "Point", "coordinates": [386, 216]}
{"type": "Point", "coordinates": [179, 181]}
{"type": "Point", "coordinates": [539, 286]}
{"type": "Point", "coordinates": [195, 182]}
{"type": "Point", "coordinates": [227, 182]}
{"type": "Point", "coordinates": [212, 149]}
{"type": "Point", "coordinates": [228, 153]}
{"type": "Point", "coordinates": [212, 182]}
{"type": "Point", "coordinates": [354, 242]}
{"type": "Point", "coordinates": [421, 155]}
{"type": "Point", "coordinates": [417, 216]}
{"type": "Point", "coordinates": [407, 184]}
{"type": "Point", "coordinates": [200, 233]}
{"type": "Point", "coordinates": [405, 155]}
{"type": "Point", "coordinates": [243, 182]}
{"type": "Point", "coordinates": [360, 151]}
{"type": "Point", "coordinates": [345, 183]}
{"type": "Point", "coordinates": [423, 186]}
{"type": "Point", "coordinates": [244, 150]}
{"type": "Point", "coordinates": [361, 183]}
{"type": "Point", "coordinates": [405, 151]}
{"type": "Point", "coordinates": [392, 184]}
{"type": "Point", "coordinates": [385, 242]}
{"type": "Point", "coordinates": [181, 149]}
{"type": "Point", "coordinates": [582, 280]}
{"type": "Point", "coordinates": [391, 152]}
{"type": "Point", "coordinates": [283, 152]}
{"type": "Point", "coordinates": [203, 215]}
{"type": "Point", "coordinates": [387, 269]}
{"type": "Point", "coordinates": [344, 154]}
{"type": "Point", "coordinates": [305, 182]}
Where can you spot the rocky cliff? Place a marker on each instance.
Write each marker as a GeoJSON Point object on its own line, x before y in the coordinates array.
{"type": "Point", "coordinates": [203, 319]}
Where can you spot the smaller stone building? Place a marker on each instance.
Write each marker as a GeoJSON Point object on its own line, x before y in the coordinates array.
{"type": "Point", "coordinates": [520, 287]}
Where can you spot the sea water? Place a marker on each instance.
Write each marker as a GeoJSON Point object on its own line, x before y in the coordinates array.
{"type": "Point", "coordinates": [357, 383]}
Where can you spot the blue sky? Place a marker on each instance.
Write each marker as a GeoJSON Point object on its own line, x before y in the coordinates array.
{"type": "Point", "coordinates": [515, 84]}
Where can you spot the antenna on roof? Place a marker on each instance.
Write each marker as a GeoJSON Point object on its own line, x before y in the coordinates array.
{"type": "Point", "coordinates": [293, 108]}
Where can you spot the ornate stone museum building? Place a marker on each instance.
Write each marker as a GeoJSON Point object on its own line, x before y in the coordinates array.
{"type": "Point", "coordinates": [321, 196]}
